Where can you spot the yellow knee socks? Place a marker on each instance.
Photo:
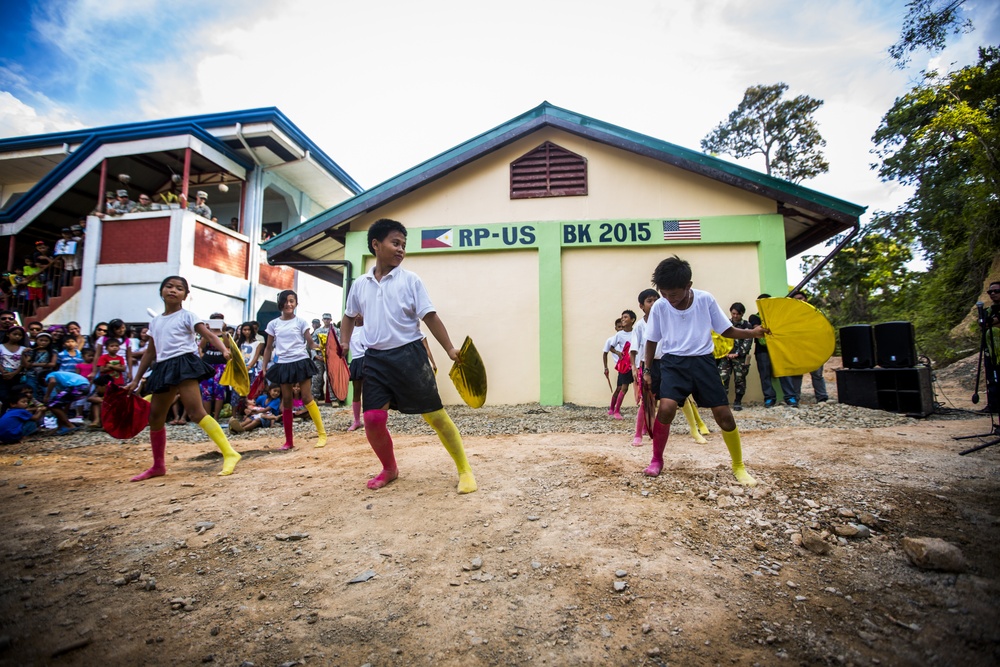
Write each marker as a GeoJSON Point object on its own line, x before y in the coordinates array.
{"type": "Point", "coordinates": [732, 440]}
{"type": "Point", "coordinates": [230, 457]}
{"type": "Point", "coordinates": [313, 411]}
{"type": "Point", "coordinates": [452, 441]}
{"type": "Point", "coordinates": [693, 418]}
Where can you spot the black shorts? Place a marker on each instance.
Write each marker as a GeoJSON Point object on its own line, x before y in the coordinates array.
{"type": "Point", "coordinates": [357, 369]}
{"type": "Point", "coordinates": [401, 377]}
{"type": "Point", "coordinates": [698, 377]}
{"type": "Point", "coordinates": [625, 379]}
{"type": "Point", "coordinates": [171, 372]}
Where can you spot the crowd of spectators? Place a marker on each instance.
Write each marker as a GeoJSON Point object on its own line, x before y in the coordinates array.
{"type": "Point", "coordinates": [56, 376]}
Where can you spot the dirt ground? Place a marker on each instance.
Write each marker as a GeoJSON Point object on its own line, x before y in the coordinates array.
{"type": "Point", "coordinates": [256, 568]}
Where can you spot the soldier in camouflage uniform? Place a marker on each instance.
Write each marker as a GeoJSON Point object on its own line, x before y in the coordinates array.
{"type": "Point", "coordinates": [145, 205]}
{"type": "Point", "coordinates": [734, 365]}
{"type": "Point", "coordinates": [199, 207]}
{"type": "Point", "coordinates": [122, 204]}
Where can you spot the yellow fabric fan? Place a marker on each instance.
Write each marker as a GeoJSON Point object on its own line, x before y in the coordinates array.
{"type": "Point", "coordinates": [469, 375]}
{"type": "Point", "coordinates": [801, 338]}
{"type": "Point", "coordinates": [235, 373]}
{"type": "Point", "coordinates": [723, 345]}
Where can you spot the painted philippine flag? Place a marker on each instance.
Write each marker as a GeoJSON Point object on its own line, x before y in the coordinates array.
{"type": "Point", "coordinates": [681, 230]}
{"type": "Point", "coordinates": [435, 238]}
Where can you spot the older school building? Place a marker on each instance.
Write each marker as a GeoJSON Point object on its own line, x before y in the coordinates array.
{"type": "Point", "coordinates": [533, 237]}
{"type": "Point", "coordinates": [262, 176]}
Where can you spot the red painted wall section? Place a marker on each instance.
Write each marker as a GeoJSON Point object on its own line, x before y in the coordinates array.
{"type": "Point", "coordinates": [141, 241]}
{"type": "Point", "coordinates": [220, 252]}
{"type": "Point", "coordinates": [278, 277]}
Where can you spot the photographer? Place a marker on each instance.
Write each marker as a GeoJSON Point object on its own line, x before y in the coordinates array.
{"type": "Point", "coordinates": [993, 312]}
{"type": "Point", "coordinates": [990, 321]}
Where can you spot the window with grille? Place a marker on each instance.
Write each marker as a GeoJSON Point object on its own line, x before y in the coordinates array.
{"type": "Point", "coordinates": [548, 171]}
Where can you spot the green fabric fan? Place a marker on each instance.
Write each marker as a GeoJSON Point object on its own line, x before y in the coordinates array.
{"type": "Point", "coordinates": [469, 375]}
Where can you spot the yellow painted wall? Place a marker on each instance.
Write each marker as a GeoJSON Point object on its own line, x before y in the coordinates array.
{"type": "Point", "coordinates": [621, 185]}
{"type": "Point", "coordinates": [599, 284]}
{"type": "Point", "coordinates": [492, 297]}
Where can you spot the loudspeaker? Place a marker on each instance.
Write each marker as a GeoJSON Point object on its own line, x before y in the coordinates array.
{"type": "Point", "coordinates": [857, 346]}
{"type": "Point", "coordinates": [895, 345]}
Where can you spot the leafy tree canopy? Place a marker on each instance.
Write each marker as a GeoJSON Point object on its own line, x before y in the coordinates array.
{"type": "Point", "coordinates": [943, 139]}
{"type": "Point", "coordinates": [783, 131]}
{"type": "Point", "coordinates": [927, 25]}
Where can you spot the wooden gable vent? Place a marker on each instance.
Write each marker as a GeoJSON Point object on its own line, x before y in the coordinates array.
{"type": "Point", "coordinates": [548, 171]}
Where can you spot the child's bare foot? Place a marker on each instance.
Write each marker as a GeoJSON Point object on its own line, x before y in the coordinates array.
{"type": "Point", "coordinates": [384, 478]}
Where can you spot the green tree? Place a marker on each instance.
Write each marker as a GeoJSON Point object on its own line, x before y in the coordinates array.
{"type": "Point", "coordinates": [782, 131]}
{"type": "Point", "coordinates": [927, 25]}
{"type": "Point", "coordinates": [943, 139]}
{"type": "Point", "coordinates": [867, 281]}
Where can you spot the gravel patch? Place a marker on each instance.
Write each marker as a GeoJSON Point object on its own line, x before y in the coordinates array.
{"type": "Point", "coordinates": [495, 420]}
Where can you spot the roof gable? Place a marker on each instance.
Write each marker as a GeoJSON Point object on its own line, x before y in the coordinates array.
{"type": "Point", "coordinates": [824, 215]}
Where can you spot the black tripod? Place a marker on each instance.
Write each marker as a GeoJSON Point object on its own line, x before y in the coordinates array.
{"type": "Point", "coordinates": [987, 354]}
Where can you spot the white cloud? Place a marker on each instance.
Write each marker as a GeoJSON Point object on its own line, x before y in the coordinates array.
{"type": "Point", "coordinates": [18, 119]}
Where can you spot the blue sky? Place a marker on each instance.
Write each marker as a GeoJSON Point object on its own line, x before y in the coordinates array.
{"type": "Point", "coordinates": [382, 86]}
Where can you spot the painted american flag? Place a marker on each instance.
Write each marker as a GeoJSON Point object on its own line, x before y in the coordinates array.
{"type": "Point", "coordinates": [682, 230]}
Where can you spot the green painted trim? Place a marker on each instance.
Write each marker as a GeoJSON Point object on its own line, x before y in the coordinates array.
{"type": "Point", "coordinates": [771, 255]}
{"type": "Point", "coordinates": [549, 239]}
{"type": "Point", "coordinates": [550, 317]}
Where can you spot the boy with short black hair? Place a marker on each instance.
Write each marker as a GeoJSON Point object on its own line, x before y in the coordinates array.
{"type": "Point", "coordinates": [626, 377]}
{"type": "Point", "coordinates": [682, 322]}
{"type": "Point", "coordinates": [19, 420]}
{"type": "Point", "coordinates": [393, 302]}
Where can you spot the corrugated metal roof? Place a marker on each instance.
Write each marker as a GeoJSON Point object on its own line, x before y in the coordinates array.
{"type": "Point", "coordinates": [88, 140]}
{"type": "Point", "coordinates": [840, 214]}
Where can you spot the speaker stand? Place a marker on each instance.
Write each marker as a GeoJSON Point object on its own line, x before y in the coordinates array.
{"type": "Point", "coordinates": [995, 434]}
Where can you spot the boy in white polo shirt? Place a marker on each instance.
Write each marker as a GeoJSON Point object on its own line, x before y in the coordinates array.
{"type": "Point", "coordinates": [682, 322]}
{"type": "Point", "coordinates": [398, 375]}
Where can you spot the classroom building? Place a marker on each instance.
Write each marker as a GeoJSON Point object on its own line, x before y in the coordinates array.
{"type": "Point", "coordinates": [533, 237]}
{"type": "Point", "coordinates": [262, 175]}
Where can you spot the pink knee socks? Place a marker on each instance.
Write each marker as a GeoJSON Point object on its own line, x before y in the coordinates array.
{"type": "Point", "coordinates": [381, 442]}
{"type": "Point", "coordinates": [158, 443]}
{"type": "Point", "coordinates": [286, 421]}
{"type": "Point", "coordinates": [661, 432]}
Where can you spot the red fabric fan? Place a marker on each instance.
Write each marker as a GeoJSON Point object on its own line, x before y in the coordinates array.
{"type": "Point", "coordinates": [255, 388]}
{"type": "Point", "coordinates": [336, 367]}
{"type": "Point", "coordinates": [123, 414]}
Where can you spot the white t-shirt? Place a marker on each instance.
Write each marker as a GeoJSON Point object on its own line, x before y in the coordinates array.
{"type": "Point", "coordinates": [289, 339]}
{"type": "Point", "coordinates": [173, 334]}
{"type": "Point", "coordinates": [687, 333]}
{"type": "Point", "coordinates": [358, 343]}
{"type": "Point", "coordinates": [392, 308]}
{"type": "Point", "coordinates": [608, 345]}
{"type": "Point", "coordinates": [639, 342]}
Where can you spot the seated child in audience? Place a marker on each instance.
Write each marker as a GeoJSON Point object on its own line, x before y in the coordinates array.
{"type": "Point", "coordinates": [19, 421]}
{"type": "Point", "coordinates": [266, 410]}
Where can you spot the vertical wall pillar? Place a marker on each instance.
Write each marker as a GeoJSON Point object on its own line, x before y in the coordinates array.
{"type": "Point", "coordinates": [550, 311]}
